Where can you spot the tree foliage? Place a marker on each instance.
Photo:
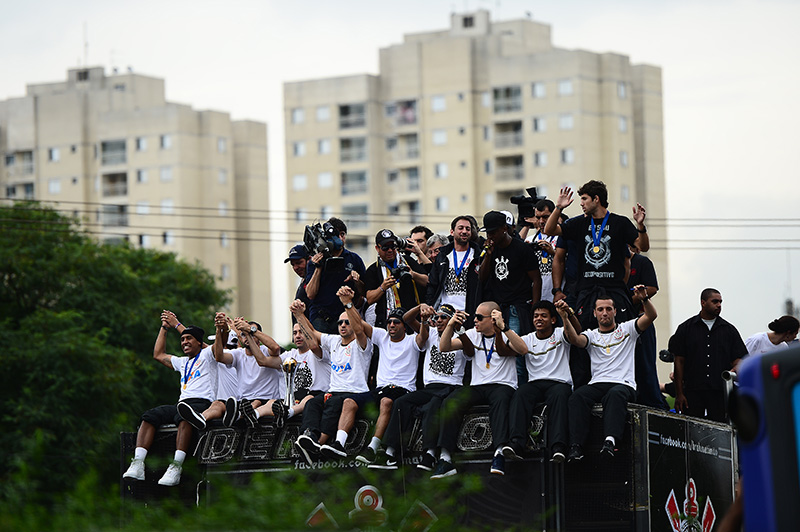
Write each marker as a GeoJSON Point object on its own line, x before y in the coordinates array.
{"type": "Point", "coordinates": [79, 319]}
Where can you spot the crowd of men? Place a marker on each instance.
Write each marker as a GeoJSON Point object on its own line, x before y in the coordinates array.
{"type": "Point", "coordinates": [552, 310]}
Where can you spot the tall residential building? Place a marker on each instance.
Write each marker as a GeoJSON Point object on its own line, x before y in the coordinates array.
{"type": "Point", "coordinates": [459, 120]}
{"type": "Point", "coordinates": [111, 150]}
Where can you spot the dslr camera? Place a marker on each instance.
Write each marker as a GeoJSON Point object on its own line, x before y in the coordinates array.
{"type": "Point", "coordinates": [401, 273]}
{"type": "Point", "coordinates": [525, 205]}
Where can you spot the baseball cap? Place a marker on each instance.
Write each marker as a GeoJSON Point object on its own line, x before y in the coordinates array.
{"type": "Point", "coordinates": [196, 332]}
{"type": "Point", "coordinates": [509, 218]}
{"type": "Point", "coordinates": [297, 252]}
{"type": "Point", "coordinates": [384, 235]}
{"type": "Point", "coordinates": [493, 220]}
{"type": "Point", "coordinates": [397, 313]}
{"type": "Point", "coordinates": [447, 310]}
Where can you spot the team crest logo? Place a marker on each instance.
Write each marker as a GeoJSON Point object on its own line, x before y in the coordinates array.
{"type": "Point", "coordinates": [598, 255]}
{"type": "Point", "coordinates": [501, 268]}
{"type": "Point", "coordinates": [689, 520]}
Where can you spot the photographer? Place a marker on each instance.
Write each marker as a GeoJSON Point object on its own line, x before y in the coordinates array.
{"type": "Point", "coordinates": [395, 279]}
{"type": "Point", "coordinates": [331, 266]}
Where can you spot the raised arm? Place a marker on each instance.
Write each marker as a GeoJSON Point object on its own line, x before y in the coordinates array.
{"type": "Point", "coordinates": [650, 314]}
{"type": "Point", "coordinates": [552, 226]}
{"type": "Point", "coordinates": [515, 346]}
{"type": "Point", "coordinates": [643, 241]}
{"type": "Point", "coordinates": [298, 309]}
{"type": "Point", "coordinates": [160, 348]}
{"type": "Point", "coordinates": [253, 349]}
{"type": "Point", "coordinates": [573, 336]}
{"type": "Point", "coordinates": [448, 343]}
{"type": "Point", "coordinates": [362, 329]}
{"type": "Point", "coordinates": [312, 286]}
{"type": "Point", "coordinates": [422, 334]}
{"type": "Point", "coordinates": [272, 346]}
{"type": "Point", "coordinates": [222, 327]}
{"type": "Point", "coordinates": [559, 267]}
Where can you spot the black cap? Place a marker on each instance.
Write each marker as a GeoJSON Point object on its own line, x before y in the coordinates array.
{"type": "Point", "coordinates": [297, 252]}
{"type": "Point", "coordinates": [196, 332]}
{"type": "Point", "coordinates": [398, 313]}
{"type": "Point", "coordinates": [493, 220]}
{"type": "Point", "coordinates": [384, 235]}
{"type": "Point", "coordinates": [447, 310]}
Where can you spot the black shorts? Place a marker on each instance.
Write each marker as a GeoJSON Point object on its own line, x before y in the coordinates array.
{"type": "Point", "coordinates": [166, 414]}
{"type": "Point", "coordinates": [391, 391]}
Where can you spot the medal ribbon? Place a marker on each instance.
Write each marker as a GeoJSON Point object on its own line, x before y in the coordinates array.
{"type": "Point", "coordinates": [489, 351]}
{"type": "Point", "coordinates": [596, 235]}
{"type": "Point", "coordinates": [459, 267]}
{"type": "Point", "coordinates": [186, 374]}
{"type": "Point", "coordinates": [539, 236]}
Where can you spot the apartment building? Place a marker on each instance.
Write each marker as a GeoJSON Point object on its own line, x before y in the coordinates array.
{"type": "Point", "coordinates": [132, 166]}
{"type": "Point", "coordinates": [459, 120]}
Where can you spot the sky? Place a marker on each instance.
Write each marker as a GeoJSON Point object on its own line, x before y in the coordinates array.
{"type": "Point", "coordinates": [730, 72]}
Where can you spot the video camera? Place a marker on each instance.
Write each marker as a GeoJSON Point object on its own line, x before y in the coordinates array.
{"type": "Point", "coordinates": [525, 205]}
{"type": "Point", "coordinates": [319, 238]}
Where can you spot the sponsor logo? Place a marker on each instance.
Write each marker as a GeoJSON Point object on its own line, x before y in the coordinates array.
{"type": "Point", "coordinates": [689, 519]}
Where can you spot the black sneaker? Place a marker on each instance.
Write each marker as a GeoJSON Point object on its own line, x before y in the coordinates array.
{"type": "Point", "coordinates": [367, 456]}
{"type": "Point", "coordinates": [231, 412]}
{"type": "Point", "coordinates": [607, 449]}
{"type": "Point", "coordinates": [575, 452]}
{"type": "Point", "coordinates": [307, 447]}
{"type": "Point", "coordinates": [559, 453]}
{"type": "Point", "coordinates": [384, 461]}
{"type": "Point", "coordinates": [193, 418]}
{"type": "Point", "coordinates": [279, 411]}
{"type": "Point", "coordinates": [248, 412]}
{"type": "Point", "coordinates": [443, 469]}
{"type": "Point", "coordinates": [428, 462]}
{"type": "Point", "coordinates": [332, 451]}
{"type": "Point", "coordinates": [498, 465]}
{"type": "Point", "coordinates": [511, 453]}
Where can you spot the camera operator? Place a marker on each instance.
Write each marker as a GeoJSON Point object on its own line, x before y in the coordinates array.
{"type": "Point", "coordinates": [395, 279]}
{"type": "Point", "coordinates": [323, 279]}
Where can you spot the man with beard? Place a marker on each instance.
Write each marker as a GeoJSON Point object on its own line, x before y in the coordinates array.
{"type": "Point", "coordinates": [453, 280]}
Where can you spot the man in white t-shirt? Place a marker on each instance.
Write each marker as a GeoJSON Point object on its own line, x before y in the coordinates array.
{"type": "Point", "coordinates": [546, 353]}
{"type": "Point", "coordinates": [494, 379]}
{"type": "Point", "coordinates": [350, 354]}
{"type": "Point", "coordinates": [611, 349]}
{"type": "Point", "coordinates": [398, 358]}
{"type": "Point", "coordinates": [198, 371]}
{"type": "Point", "coordinates": [442, 374]}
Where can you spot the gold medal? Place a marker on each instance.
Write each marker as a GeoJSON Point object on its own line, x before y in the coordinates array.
{"type": "Point", "coordinates": [184, 386]}
{"type": "Point", "coordinates": [544, 260]}
{"type": "Point", "coordinates": [487, 365]}
{"type": "Point", "coordinates": [596, 249]}
{"type": "Point", "coordinates": [608, 350]}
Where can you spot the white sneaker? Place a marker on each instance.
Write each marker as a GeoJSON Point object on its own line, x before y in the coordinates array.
{"type": "Point", "coordinates": [172, 477]}
{"type": "Point", "coordinates": [135, 470]}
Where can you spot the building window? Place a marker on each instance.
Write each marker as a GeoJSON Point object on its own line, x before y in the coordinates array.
{"type": "Point", "coordinates": [413, 211]}
{"type": "Point", "coordinates": [28, 191]}
{"type": "Point", "coordinates": [567, 156]}
{"type": "Point", "coordinates": [300, 215]}
{"type": "Point", "coordinates": [392, 176]}
{"type": "Point", "coordinates": [539, 124]}
{"type": "Point", "coordinates": [538, 90]}
{"type": "Point", "coordinates": [299, 148]}
{"type": "Point", "coordinates": [83, 75]}
{"type": "Point", "coordinates": [325, 180]}
{"type": "Point", "coordinates": [540, 159]}
{"type": "Point", "coordinates": [224, 242]}
{"type": "Point", "coordinates": [352, 149]}
{"type": "Point", "coordinates": [442, 204]}
{"type": "Point", "coordinates": [225, 272]}
{"type": "Point", "coordinates": [487, 167]}
{"type": "Point", "coordinates": [565, 87]}
{"type": "Point", "coordinates": [74, 180]}
{"type": "Point", "coordinates": [54, 186]}
{"type": "Point", "coordinates": [624, 193]}
{"type": "Point", "coordinates": [298, 115]}
{"type": "Point", "coordinates": [393, 209]}
{"type": "Point", "coordinates": [222, 176]}
{"type": "Point", "coordinates": [439, 137]}
{"type": "Point", "coordinates": [142, 207]}
{"type": "Point", "coordinates": [299, 182]}
{"type": "Point", "coordinates": [323, 146]}
{"type": "Point", "coordinates": [115, 184]}
{"type": "Point", "coordinates": [355, 216]}
{"type": "Point", "coordinates": [390, 109]}
{"type": "Point", "coordinates": [352, 115]}
{"type": "Point", "coordinates": [11, 191]}
{"type": "Point", "coordinates": [119, 87]}
{"type": "Point", "coordinates": [222, 208]}
{"type": "Point", "coordinates": [566, 121]}
{"type": "Point", "coordinates": [412, 175]}
{"type": "Point", "coordinates": [468, 22]}
{"type": "Point", "coordinates": [167, 206]}
{"type": "Point", "coordinates": [489, 200]}
{"type": "Point", "coordinates": [325, 212]}
{"type": "Point", "coordinates": [73, 148]}
{"type": "Point", "coordinates": [440, 170]}
{"type": "Point", "coordinates": [165, 142]}
{"type": "Point", "coordinates": [406, 113]}
{"type": "Point", "coordinates": [165, 174]}
{"type": "Point", "coordinates": [462, 130]}
{"type": "Point", "coordinates": [222, 144]}
{"type": "Point", "coordinates": [114, 216]}
{"type": "Point", "coordinates": [623, 124]}
{"type": "Point", "coordinates": [323, 113]}
{"type": "Point", "coordinates": [168, 237]}
{"type": "Point", "coordinates": [354, 183]}
{"type": "Point", "coordinates": [487, 133]}
{"type": "Point", "coordinates": [391, 143]}
{"type": "Point", "coordinates": [141, 176]}
{"type": "Point", "coordinates": [486, 99]}
{"type": "Point", "coordinates": [623, 159]}
{"type": "Point", "coordinates": [141, 144]}
{"type": "Point", "coordinates": [144, 241]}
{"type": "Point", "coordinates": [113, 152]}
{"type": "Point", "coordinates": [438, 103]}
{"type": "Point", "coordinates": [54, 155]}
{"type": "Point", "coordinates": [507, 99]}
{"type": "Point", "coordinates": [622, 90]}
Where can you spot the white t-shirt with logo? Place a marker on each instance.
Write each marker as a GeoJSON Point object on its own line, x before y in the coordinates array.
{"type": "Point", "coordinates": [398, 361]}
{"type": "Point", "coordinates": [548, 358]}
{"type": "Point", "coordinates": [256, 382]}
{"type": "Point", "coordinates": [349, 363]}
{"type": "Point", "coordinates": [759, 343]}
{"type": "Point", "coordinates": [455, 286]}
{"type": "Point", "coordinates": [612, 354]}
{"type": "Point", "coordinates": [198, 375]}
{"type": "Point", "coordinates": [442, 368]}
{"type": "Point", "coordinates": [312, 373]}
{"type": "Point", "coordinates": [500, 370]}
{"type": "Point", "coordinates": [227, 382]}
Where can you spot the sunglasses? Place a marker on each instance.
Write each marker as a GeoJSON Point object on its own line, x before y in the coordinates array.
{"type": "Point", "coordinates": [395, 320]}
{"type": "Point", "coordinates": [480, 317]}
{"type": "Point", "coordinates": [346, 322]}
{"type": "Point", "coordinates": [388, 247]}
{"type": "Point", "coordinates": [442, 317]}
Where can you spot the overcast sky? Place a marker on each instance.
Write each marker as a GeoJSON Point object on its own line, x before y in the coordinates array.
{"type": "Point", "coordinates": [730, 72]}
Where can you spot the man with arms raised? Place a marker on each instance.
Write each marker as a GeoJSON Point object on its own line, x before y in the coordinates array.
{"type": "Point", "coordinates": [611, 350]}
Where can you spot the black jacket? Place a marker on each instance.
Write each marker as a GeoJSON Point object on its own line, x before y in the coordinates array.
{"type": "Point", "coordinates": [438, 275]}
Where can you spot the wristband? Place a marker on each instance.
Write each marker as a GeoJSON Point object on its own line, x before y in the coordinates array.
{"type": "Point", "coordinates": [165, 327]}
{"type": "Point", "coordinates": [179, 323]}
{"type": "Point", "coordinates": [506, 329]}
{"type": "Point", "coordinates": [642, 230]}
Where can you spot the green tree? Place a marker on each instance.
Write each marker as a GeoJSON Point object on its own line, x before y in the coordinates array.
{"type": "Point", "coordinates": [79, 319]}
